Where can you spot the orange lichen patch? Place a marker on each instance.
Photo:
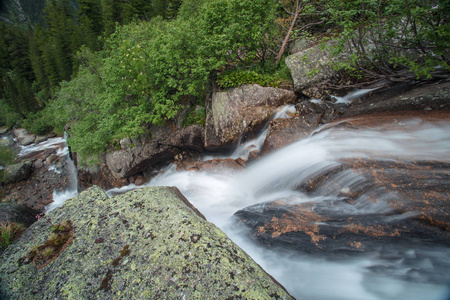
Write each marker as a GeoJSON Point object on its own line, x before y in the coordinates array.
{"type": "Point", "coordinates": [300, 219]}
{"type": "Point", "coordinates": [435, 223]}
{"type": "Point", "coordinates": [357, 245]}
{"type": "Point", "coordinates": [374, 231]}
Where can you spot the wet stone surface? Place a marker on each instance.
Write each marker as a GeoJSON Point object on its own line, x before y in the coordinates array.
{"type": "Point", "coordinates": [390, 208]}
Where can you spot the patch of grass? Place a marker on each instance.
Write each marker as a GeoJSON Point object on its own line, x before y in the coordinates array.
{"type": "Point", "coordinates": [7, 156]}
{"type": "Point", "coordinates": [59, 239]}
{"type": "Point", "coordinates": [9, 231]}
{"type": "Point", "coordinates": [273, 74]}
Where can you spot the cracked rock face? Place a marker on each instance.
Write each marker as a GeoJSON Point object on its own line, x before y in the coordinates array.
{"type": "Point", "coordinates": [146, 244]}
{"type": "Point", "coordinates": [240, 112]}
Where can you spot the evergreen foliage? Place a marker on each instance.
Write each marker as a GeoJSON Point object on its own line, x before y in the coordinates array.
{"type": "Point", "coordinates": [110, 68]}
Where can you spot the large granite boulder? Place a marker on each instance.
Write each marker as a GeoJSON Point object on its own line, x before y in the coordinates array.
{"type": "Point", "coordinates": [17, 172]}
{"type": "Point", "coordinates": [145, 244]}
{"type": "Point", "coordinates": [125, 163]}
{"type": "Point", "coordinates": [24, 137]}
{"type": "Point", "coordinates": [140, 154]}
{"type": "Point", "coordinates": [283, 132]}
{"type": "Point", "coordinates": [240, 112]}
{"type": "Point", "coordinates": [99, 175]}
{"type": "Point", "coordinates": [313, 66]}
{"type": "Point", "coordinates": [17, 213]}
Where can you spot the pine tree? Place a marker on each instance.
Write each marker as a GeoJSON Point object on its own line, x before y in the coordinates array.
{"type": "Point", "coordinates": [90, 23]}
{"type": "Point", "coordinates": [140, 9]}
{"type": "Point", "coordinates": [111, 14]}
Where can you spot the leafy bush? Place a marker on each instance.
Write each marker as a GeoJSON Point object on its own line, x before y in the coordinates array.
{"type": "Point", "coordinates": [147, 68]}
{"type": "Point", "coordinates": [240, 77]}
{"type": "Point", "coordinates": [385, 38]}
{"type": "Point", "coordinates": [196, 116]}
{"type": "Point", "coordinates": [271, 75]}
{"type": "Point", "coordinates": [239, 31]}
{"type": "Point", "coordinates": [7, 156]}
{"type": "Point", "coordinates": [40, 122]}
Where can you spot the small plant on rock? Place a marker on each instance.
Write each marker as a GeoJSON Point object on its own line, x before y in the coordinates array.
{"type": "Point", "coordinates": [9, 232]}
{"type": "Point", "coordinates": [58, 240]}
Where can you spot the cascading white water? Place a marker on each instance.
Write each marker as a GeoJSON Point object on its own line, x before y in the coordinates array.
{"type": "Point", "coordinates": [219, 195]}
{"type": "Point", "coordinates": [347, 99]}
{"type": "Point", "coordinates": [59, 197]}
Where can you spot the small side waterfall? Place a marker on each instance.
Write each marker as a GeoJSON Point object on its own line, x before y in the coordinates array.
{"type": "Point", "coordinates": [59, 197]}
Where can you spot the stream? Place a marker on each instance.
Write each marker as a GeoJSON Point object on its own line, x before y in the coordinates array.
{"type": "Point", "coordinates": [219, 195]}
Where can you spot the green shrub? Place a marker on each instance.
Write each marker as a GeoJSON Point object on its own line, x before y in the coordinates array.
{"type": "Point", "coordinates": [195, 117]}
{"type": "Point", "coordinates": [7, 156]}
{"type": "Point", "coordinates": [40, 122]}
{"type": "Point", "coordinates": [239, 77]}
{"type": "Point", "coordinates": [8, 116]}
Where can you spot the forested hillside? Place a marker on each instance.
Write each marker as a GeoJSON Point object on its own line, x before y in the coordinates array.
{"type": "Point", "coordinates": [110, 68]}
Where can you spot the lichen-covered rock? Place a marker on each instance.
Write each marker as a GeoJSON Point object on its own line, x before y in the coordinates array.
{"type": "Point", "coordinates": [240, 112]}
{"type": "Point", "coordinates": [313, 66]}
{"type": "Point", "coordinates": [145, 244]}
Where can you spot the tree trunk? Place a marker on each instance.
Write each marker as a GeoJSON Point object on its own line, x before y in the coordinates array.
{"type": "Point", "coordinates": [286, 39]}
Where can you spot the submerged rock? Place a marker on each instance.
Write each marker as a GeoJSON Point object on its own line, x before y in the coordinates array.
{"type": "Point", "coordinates": [146, 244]}
{"type": "Point", "coordinates": [361, 206]}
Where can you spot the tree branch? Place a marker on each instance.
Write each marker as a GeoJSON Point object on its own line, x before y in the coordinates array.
{"type": "Point", "coordinates": [286, 39]}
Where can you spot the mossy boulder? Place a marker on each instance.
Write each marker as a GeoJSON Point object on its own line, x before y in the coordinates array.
{"type": "Point", "coordinates": [146, 244]}
{"type": "Point", "coordinates": [313, 66]}
{"type": "Point", "coordinates": [17, 172]}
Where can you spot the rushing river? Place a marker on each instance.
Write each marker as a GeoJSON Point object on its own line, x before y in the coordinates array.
{"type": "Point", "coordinates": [218, 195]}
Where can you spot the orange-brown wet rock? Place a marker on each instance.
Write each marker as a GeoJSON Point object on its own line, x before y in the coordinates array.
{"type": "Point", "coordinates": [216, 165]}
{"type": "Point", "coordinates": [393, 202]}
